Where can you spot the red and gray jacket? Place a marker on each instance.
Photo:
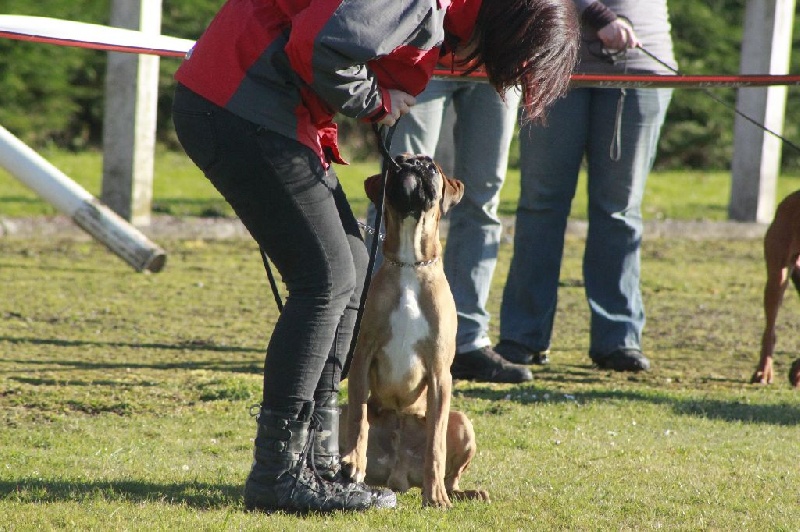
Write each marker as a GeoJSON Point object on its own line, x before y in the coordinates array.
{"type": "Point", "coordinates": [290, 65]}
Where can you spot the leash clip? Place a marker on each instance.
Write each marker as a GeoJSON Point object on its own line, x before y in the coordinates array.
{"type": "Point", "coordinates": [371, 230]}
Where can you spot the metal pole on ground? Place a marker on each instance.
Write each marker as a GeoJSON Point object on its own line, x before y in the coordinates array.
{"type": "Point", "coordinates": [73, 200]}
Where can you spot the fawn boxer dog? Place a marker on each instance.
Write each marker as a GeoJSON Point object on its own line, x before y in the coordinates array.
{"type": "Point", "coordinates": [782, 256]}
{"type": "Point", "coordinates": [399, 430]}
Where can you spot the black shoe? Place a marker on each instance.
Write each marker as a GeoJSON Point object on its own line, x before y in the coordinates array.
{"type": "Point", "coordinates": [519, 354]}
{"type": "Point", "coordinates": [625, 359]}
{"type": "Point", "coordinates": [485, 365]}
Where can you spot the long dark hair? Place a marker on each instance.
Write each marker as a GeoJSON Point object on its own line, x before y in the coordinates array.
{"type": "Point", "coordinates": [530, 44]}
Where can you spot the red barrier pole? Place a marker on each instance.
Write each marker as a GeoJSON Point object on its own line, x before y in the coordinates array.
{"type": "Point", "coordinates": [99, 37]}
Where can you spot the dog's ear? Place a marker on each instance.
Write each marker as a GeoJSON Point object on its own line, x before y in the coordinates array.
{"type": "Point", "coordinates": [372, 186]}
{"type": "Point", "coordinates": [453, 192]}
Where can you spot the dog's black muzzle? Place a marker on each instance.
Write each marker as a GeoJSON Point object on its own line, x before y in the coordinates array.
{"type": "Point", "coordinates": [411, 189]}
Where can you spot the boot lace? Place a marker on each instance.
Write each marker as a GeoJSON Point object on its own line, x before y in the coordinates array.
{"type": "Point", "coordinates": [306, 464]}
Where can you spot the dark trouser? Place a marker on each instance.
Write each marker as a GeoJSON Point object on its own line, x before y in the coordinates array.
{"type": "Point", "coordinates": [298, 213]}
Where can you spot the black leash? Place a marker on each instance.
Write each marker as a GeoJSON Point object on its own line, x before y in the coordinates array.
{"type": "Point", "coordinates": [272, 283]}
{"type": "Point", "coordinates": [726, 104]}
{"type": "Point", "coordinates": [384, 137]}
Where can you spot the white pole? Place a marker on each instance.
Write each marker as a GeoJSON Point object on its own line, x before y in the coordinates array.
{"type": "Point", "coordinates": [755, 168]}
{"type": "Point", "coordinates": [129, 123]}
{"type": "Point", "coordinates": [73, 200]}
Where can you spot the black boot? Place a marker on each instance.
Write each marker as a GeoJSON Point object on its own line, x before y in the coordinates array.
{"type": "Point", "coordinates": [280, 478]}
{"type": "Point", "coordinates": [326, 441]}
{"type": "Point", "coordinates": [326, 457]}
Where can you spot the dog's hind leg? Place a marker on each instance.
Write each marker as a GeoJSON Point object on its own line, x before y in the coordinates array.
{"type": "Point", "coordinates": [794, 374]}
{"type": "Point", "coordinates": [794, 370]}
{"type": "Point", "coordinates": [795, 275]}
{"type": "Point", "coordinates": [408, 452]}
{"type": "Point", "coordinates": [461, 449]}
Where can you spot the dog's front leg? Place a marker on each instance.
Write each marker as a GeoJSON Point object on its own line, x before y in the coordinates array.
{"type": "Point", "coordinates": [434, 492]}
{"type": "Point", "coordinates": [354, 454]}
{"type": "Point", "coordinates": [777, 280]}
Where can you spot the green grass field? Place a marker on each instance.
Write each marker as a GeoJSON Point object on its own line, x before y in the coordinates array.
{"type": "Point", "coordinates": [124, 397]}
{"type": "Point", "coordinates": [180, 189]}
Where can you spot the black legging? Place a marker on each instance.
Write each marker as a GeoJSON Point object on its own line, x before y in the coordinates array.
{"type": "Point", "coordinates": [298, 213]}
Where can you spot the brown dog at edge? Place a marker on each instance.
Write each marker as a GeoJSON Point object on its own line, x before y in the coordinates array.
{"type": "Point", "coordinates": [399, 430]}
{"type": "Point", "coordinates": [782, 257]}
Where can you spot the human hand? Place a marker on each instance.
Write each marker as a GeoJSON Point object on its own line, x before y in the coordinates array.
{"type": "Point", "coordinates": [618, 35]}
{"type": "Point", "coordinates": [401, 103]}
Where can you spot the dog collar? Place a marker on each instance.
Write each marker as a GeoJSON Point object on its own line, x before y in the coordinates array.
{"type": "Point", "coordinates": [420, 264]}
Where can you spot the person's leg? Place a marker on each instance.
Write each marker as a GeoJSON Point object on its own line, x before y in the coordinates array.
{"type": "Point", "coordinates": [330, 378]}
{"type": "Point", "coordinates": [317, 268]}
{"type": "Point", "coordinates": [617, 177]}
{"type": "Point", "coordinates": [483, 130]}
{"type": "Point", "coordinates": [327, 459]}
{"type": "Point", "coordinates": [281, 193]}
{"type": "Point", "coordinates": [550, 159]}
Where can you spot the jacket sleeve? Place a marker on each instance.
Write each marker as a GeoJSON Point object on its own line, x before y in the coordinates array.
{"type": "Point", "coordinates": [332, 42]}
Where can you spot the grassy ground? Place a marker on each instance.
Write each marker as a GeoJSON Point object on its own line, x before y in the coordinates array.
{"type": "Point", "coordinates": [180, 189]}
{"type": "Point", "coordinates": [124, 397]}
{"type": "Point", "coordinates": [124, 400]}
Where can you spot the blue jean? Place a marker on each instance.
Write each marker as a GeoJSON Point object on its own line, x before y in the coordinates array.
{"type": "Point", "coordinates": [482, 136]}
{"type": "Point", "coordinates": [299, 215]}
{"type": "Point", "coordinates": [583, 124]}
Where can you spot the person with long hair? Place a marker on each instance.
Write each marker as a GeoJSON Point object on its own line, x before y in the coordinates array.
{"type": "Point", "coordinates": [254, 109]}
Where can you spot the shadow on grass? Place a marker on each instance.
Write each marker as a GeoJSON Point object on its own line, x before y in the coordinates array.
{"type": "Point", "coordinates": [732, 411]}
{"type": "Point", "coordinates": [189, 345]}
{"type": "Point", "coordinates": [53, 269]}
{"type": "Point", "coordinates": [239, 366]}
{"type": "Point", "coordinates": [192, 494]}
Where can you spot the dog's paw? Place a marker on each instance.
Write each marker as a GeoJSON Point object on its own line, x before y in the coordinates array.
{"type": "Point", "coordinates": [437, 503]}
{"type": "Point", "coordinates": [436, 498]}
{"type": "Point", "coordinates": [351, 470]}
{"type": "Point", "coordinates": [761, 377]}
{"type": "Point", "coordinates": [794, 374]}
{"type": "Point", "coordinates": [470, 495]}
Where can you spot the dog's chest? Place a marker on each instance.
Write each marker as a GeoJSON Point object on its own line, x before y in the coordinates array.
{"type": "Point", "coordinates": [409, 327]}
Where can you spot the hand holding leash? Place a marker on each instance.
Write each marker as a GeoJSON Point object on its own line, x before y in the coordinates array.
{"type": "Point", "coordinates": [618, 35]}
{"type": "Point", "coordinates": [400, 104]}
